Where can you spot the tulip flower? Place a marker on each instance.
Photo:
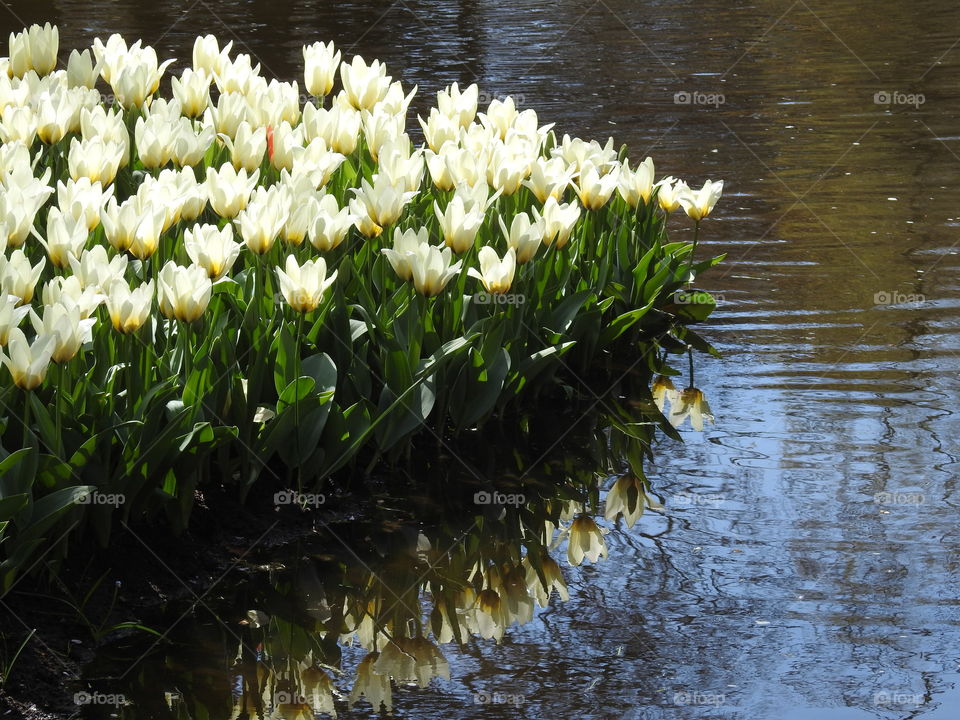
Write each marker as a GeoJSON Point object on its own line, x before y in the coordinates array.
{"type": "Point", "coordinates": [192, 90]}
{"type": "Point", "coordinates": [699, 203]}
{"type": "Point", "coordinates": [303, 286]}
{"type": "Point", "coordinates": [93, 269]}
{"type": "Point", "coordinates": [320, 64]}
{"type": "Point", "coordinates": [65, 237]}
{"type": "Point", "coordinates": [208, 56]}
{"type": "Point", "coordinates": [495, 274]}
{"type": "Point", "coordinates": [129, 309]}
{"type": "Point", "coordinates": [401, 166]}
{"type": "Point", "coordinates": [627, 497]}
{"type": "Point", "coordinates": [636, 186]}
{"type": "Point", "coordinates": [81, 70]}
{"type": "Point", "coordinates": [190, 146]}
{"type": "Point", "coordinates": [27, 362]}
{"type": "Point", "coordinates": [405, 245]}
{"type": "Point", "coordinates": [11, 315]}
{"type": "Point", "coordinates": [595, 188]}
{"type": "Point", "coordinates": [18, 123]}
{"type": "Point", "coordinates": [237, 75]}
{"type": "Point", "coordinates": [499, 116]}
{"type": "Point", "coordinates": [380, 128]}
{"type": "Point", "coordinates": [507, 169]}
{"type": "Point", "coordinates": [692, 404]}
{"type": "Point", "coordinates": [18, 277]}
{"type": "Point", "coordinates": [212, 248]}
{"type": "Point", "coordinates": [69, 291]}
{"type": "Point", "coordinates": [231, 110]}
{"type": "Point", "coordinates": [558, 221]}
{"type": "Point", "coordinates": [95, 159]}
{"type": "Point", "coordinates": [382, 203]}
{"type": "Point", "coordinates": [230, 190]}
{"type": "Point", "coordinates": [457, 105]}
{"type": "Point", "coordinates": [439, 129]}
{"type": "Point", "coordinates": [286, 141]}
{"type": "Point", "coordinates": [315, 162]}
{"type": "Point", "coordinates": [458, 225]}
{"type": "Point", "coordinates": [19, 204]}
{"type": "Point", "coordinates": [247, 147]}
{"type": "Point", "coordinates": [580, 153]}
{"type": "Point", "coordinates": [108, 125]}
{"type": "Point", "coordinates": [64, 324]}
{"type": "Point", "coordinates": [330, 224]}
{"type": "Point", "coordinates": [432, 269]}
{"type": "Point", "coordinates": [586, 541]}
{"type": "Point", "coordinates": [57, 114]}
{"type": "Point", "coordinates": [263, 218]}
{"type": "Point", "coordinates": [155, 138]}
{"type": "Point", "coordinates": [83, 200]}
{"type": "Point", "coordinates": [364, 85]}
{"type": "Point", "coordinates": [549, 178]}
{"type": "Point", "coordinates": [669, 192]}
{"type": "Point", "coordinates": [34, 49]}
{"type": "Point", "coordinates": [523, 236]}
{"type": "Point", "coordinates": [183, 293]}
{"type": "Point", "coordinates": [146, 238]}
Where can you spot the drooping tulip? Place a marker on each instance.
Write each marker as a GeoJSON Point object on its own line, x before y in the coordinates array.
{"type": "Point", "coordinates": [586, 541]}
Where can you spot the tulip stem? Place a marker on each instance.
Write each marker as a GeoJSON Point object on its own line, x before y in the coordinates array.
{"type": "Point", "coordinates": [296, 407]}
{"type": "Point", "coordinates": [58, 392]}
{"type": "Point", "coordinates": [26, 418]}
{"type": "Point", "coordinates": [696, 237]}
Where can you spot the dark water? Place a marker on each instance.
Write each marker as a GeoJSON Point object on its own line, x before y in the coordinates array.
{"type": "Point", "coordinates": [776, 585]}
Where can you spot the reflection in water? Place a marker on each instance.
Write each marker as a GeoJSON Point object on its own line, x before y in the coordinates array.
{"type": "Point", "coordinates": [356, 609]}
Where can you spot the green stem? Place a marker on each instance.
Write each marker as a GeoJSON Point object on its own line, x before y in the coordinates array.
{"type": "Point", "coordinates": [58, 410]}
{"type": "Point", "coordinates": [296, 407]}
{"type": "Point", "coordinates": [696, 237]}
{"type": "Point", "coordinates": [26, 418]}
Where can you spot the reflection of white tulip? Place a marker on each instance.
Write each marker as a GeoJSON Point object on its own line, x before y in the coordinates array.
{"type": "Point", "coordinates": [586, 541]}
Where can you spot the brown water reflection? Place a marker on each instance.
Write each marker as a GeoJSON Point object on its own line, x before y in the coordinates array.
{"type": "Point", "coordinates": [778, 580]}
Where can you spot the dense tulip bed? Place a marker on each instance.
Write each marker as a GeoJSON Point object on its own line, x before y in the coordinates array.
{"type": "Point", "coordinates": [231, 284]}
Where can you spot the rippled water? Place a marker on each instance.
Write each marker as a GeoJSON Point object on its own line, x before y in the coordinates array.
{"type": "Point", "coordinates": [776, 585]}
